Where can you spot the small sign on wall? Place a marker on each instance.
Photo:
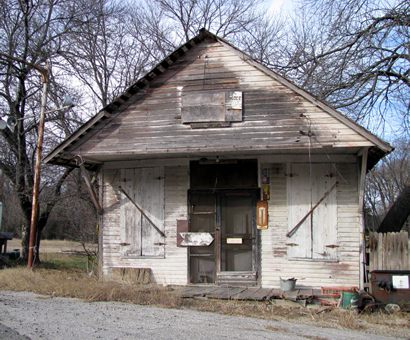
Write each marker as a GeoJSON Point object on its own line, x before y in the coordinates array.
{"type": "Point", "coordinates": [235, 100]}
{"type": "Point", "coordinates": [233, 104]}
{"type": "Point", "coordinates": [234, 240]}
{"type": "Point", "coordinates": [196, 239]}
{"type": "Point", "coordinates": [400, 281]}
{"type": "Point", "coordinates": [262, 215]}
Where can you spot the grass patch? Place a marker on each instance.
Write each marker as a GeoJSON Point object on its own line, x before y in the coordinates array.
{"type": "Point", "coordinates": [64, 275]}
{"type": "Point", "coordinates": [64, 261]}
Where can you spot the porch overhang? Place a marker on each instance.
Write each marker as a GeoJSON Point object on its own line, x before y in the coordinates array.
{"type": "Point", "coordinates": [93, 160]}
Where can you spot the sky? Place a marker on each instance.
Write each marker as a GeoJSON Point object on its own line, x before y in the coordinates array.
{"type": "Point", "coordinates": [279, 5]}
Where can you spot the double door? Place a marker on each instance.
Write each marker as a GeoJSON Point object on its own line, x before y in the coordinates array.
{"type": "Point", "coordinates": [229, 216]}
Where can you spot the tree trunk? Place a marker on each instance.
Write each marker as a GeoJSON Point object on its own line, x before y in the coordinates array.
{"type": "Point", "coordinates": [398, 213]}
{"type": "Point", "coordinates": [25, 234]}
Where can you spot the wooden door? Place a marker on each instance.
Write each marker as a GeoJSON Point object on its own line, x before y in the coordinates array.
{"type": "Point", "coordinates": [237, 232]}
{"type": "Point", "coordinates": [229, 216]}
{"type": "Point", "coordinates": [145, 187]}
{"type": "Point", "coordinates": [202, 214]}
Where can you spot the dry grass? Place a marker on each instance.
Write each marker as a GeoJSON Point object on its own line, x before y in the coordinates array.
{"type": "Point", "coordinates": [77, 284]}
{"type": "Point", "coordinates": [52, 246]}
{"type": "Point", "coordinates": [73, 282]}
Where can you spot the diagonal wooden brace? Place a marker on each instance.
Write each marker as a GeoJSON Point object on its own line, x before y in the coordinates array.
{"type": "Point", "coordinates": [296, 227]}
{"type": "Point", "coordinates": [142, 211]}
{"type": "Point", "coordinates": [85, 175]}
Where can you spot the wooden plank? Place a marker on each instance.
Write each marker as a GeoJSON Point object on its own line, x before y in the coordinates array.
{"type": "Point", "coordinates": [203, 107]}
{"type": "Point", "coordinates": [225, 293]}
{"type": "Point", "coordinates": [389, 251]}
{"type": "Point", "coordinates": [143, 213]}
{"type": "Point", "coordinates": [197, 291]}
{"type": "Point", "coordinates": [203, 114]}
{"type": "Point", "coordinates": [152, 195]}
{"type": "Point", "coordinates": [312, 210]}
{"type": "Point", "coordinates": [130, 217]}
{"type": "Point", "coordinates": [299, 202]}
{"type": "Point", "coordinates": [326, 243]}
{"type": "Point", "coordinates": [90, 188]}
{"type": "Point", "coordinates": [255, 294]}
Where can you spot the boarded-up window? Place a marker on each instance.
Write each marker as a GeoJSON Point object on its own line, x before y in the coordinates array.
{"type": "Point", "coordinates": [145, 186]}
{"type": "Point", "coordinates": [316, 237]}
{"type": "Point", "coordinates": [211, 107]}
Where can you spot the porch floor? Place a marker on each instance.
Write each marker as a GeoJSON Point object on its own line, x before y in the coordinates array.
{"type": "Point", "coordinates": [245, 293]}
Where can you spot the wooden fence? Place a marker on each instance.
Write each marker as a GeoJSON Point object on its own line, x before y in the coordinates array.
{"type": "Point", "coordinates": [389, 251]}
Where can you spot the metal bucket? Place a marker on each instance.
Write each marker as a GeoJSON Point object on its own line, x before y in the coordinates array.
{"type": "Point", "coordinates": [350, 300]}
{"type": "Point", "coordinates": [287, 285]}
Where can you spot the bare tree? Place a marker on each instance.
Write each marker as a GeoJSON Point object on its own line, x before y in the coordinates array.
{"type": "Point", "coordinates": [356, 54]}
{"type": "Point", "coordinates": [30, 33]}
{"type": "Point", "coordinates": [101, 54]}
{"type": "Point", "coordinates": [223, 17]}
{"type": "Point", "coordinates": [386, 181]}
{"type": "Point", "coordinates": [264, 40]}
{"type": "Point", "coordinates": [160, 26]}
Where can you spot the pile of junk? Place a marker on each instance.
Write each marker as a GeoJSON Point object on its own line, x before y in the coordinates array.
{"type": "Point", "coordinates": [388, 290]}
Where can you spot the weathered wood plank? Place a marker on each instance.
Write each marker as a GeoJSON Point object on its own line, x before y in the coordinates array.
{"type": "Point", "coordinates": [389, 251]}
{"type": "Point", "coordinates": [263, 99]}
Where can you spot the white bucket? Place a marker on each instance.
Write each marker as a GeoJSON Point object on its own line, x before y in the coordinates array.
{"type": "Point", "coordinates": [287, 285]}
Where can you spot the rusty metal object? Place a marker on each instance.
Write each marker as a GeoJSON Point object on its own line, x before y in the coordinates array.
{"type": "Point", "coordinates": [383, 289]}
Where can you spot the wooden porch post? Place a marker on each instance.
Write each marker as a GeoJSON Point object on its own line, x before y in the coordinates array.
{"type": "Point", "coordinates": [362, 244]}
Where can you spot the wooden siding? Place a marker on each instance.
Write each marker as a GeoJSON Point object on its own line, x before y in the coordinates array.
{"type": "Point", "coordinates": [273, 115]}
{"type": "Point", "coordinates": [275, 263]}
{"type": "Point", "coordinates": [169, 270]}
{"type": "Point", "coordinates": [312, 273]}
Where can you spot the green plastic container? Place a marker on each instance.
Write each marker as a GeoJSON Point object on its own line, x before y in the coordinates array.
{"type": "Point", "coordinates": [347, 298]}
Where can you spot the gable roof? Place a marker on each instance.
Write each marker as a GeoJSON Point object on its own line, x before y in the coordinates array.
{"type": "Point", "coordinates": [89, 128]}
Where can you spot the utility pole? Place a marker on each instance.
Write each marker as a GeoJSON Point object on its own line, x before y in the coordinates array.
{"type": "Point", "coordinates": [44, 73]}
{"type": "Point", "coordinates": [43, 70]}
{"type": "Point", "coordinates": [37, 167]}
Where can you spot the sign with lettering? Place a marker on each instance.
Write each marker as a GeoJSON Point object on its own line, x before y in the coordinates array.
{"type": "Point", "coordinates": [196, 239]}
{"type": "Point", "coordinates": [235, 100]}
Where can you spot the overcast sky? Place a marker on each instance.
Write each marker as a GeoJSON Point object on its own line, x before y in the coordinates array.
{"type": "Point", "coordinates": [279, 5]}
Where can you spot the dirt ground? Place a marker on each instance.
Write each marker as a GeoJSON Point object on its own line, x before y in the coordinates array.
{"type": "Point", "coordinates": [52, 246]}
{"type": "Point", "coordinates": [63, 318]}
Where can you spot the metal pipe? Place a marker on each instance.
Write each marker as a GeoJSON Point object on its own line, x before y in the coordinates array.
{"type": "Point", "coordinates": [37, 167]}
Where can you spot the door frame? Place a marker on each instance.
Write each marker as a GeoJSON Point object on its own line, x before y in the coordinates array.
{"type": "Point", "coordinates": [256, 245]}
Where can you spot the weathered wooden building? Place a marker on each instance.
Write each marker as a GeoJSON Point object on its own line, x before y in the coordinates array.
{"type": "Point", "coordinates": [215, 169]}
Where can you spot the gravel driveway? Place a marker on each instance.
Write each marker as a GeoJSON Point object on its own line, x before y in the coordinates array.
{"type": "Point", "coordinates": [26, 315]}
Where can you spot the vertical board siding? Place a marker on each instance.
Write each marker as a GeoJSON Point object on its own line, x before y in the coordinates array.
{"type": "Point", "coordinates": [317, 236]}
{"type": "Point", "coordinates": [275, 262]}
{"type": "Point", "coordinates": [130, 217]}
{"type": "Point", "coordinates": [172, 269]}
{"type": "Point", "coordinates": [145, 186]}
{"type": "Point", "coordinates": [389, 251]}
{"type": "Point", "coordinates": [299, 196]}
